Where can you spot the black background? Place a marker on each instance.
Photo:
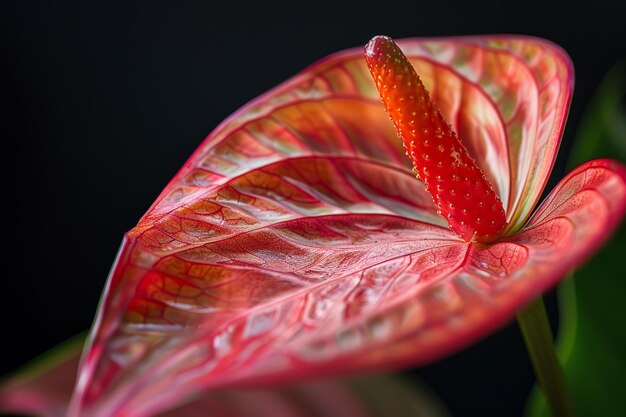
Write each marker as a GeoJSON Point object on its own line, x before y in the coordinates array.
{"type": "Point", "coordinates": [104, 102]}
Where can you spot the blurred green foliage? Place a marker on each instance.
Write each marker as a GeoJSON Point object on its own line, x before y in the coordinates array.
{"type": "Point", "coordinates": [591, 342]}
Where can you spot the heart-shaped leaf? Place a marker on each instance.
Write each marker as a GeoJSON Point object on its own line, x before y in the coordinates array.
{"type": "Point", "coordinates": [297, 242]}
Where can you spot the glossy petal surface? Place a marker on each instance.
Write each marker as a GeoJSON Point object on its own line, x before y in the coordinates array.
{"type": "Point", "coordinates": [296, 241]}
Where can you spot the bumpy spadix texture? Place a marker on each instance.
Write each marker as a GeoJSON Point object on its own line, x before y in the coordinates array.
{"type": "Point", "coordinates": [459, 189]}
{"type": "Point", "coordinates": [296, 240]}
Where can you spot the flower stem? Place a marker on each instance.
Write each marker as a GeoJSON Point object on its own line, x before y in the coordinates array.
{"type": "Point", "coordinates": [533, 322]}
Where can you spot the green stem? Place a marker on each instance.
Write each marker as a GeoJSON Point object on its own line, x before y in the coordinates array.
{"type": "Point", "coordinates": [535, 328]}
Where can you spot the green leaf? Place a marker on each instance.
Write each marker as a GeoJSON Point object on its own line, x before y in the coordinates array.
{"type": "Point", "coordinates": [591, 340]}
{"type": "Point", "coordinates": [602, 130]}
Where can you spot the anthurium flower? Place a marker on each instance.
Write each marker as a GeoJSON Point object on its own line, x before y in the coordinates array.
{"type": "Point", "coordinates": [297, 242]}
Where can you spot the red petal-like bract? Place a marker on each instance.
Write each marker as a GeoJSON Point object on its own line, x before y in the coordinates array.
{"type": "Point", "coordinates": [297, 242]}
